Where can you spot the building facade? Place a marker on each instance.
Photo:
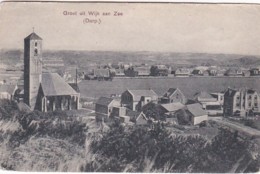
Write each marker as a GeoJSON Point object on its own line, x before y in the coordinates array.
{"type": "Point", "coordinates": [241, 102]}
{"type": "Point", "coordinates": [136, 99]}
{"type": "Point", "coordinates": [173, 95]}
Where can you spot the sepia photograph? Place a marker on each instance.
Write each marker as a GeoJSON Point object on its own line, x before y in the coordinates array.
{"type": "Point", "coordinates": [129, 87]}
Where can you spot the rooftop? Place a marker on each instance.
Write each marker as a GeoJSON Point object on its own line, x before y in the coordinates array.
{"type": "Point", "coordinates": [105, 101]}
{"type": "Point", "coordinates": [53, 85]}
{"type": "Point", "coordinates": [33, 36]}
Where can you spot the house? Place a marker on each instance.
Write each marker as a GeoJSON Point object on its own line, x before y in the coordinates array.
{"type": "Point", "coordinates": [197, 72]}
{"type": "Point", "coordinates": [104, 108]}
{"type": "Point", "coordinates": [219, 96]}
{"type": "Point", "coordinates": [136, 99]}
{"type": "Point", "coordinates": [173, 95]}
{"type": "Point", "coordinates": [138, 118]}
{"type": "Point", "coordinates": [126, 115]}
{"type": "Point", "coordinates": [254, 72]}
{"type": "Point", "coordinates": [101, 74]}
{"type": "Point", "coordinates": [221, 72]}
{"type": "Point", "coordinates": [119, 72]}
{"type": "Point", "coordinates": [246, 73]}
{"type": "Point", "coordinates": [209, 103]}
{"type": "Point", "coordinates": [159, 70]}
{"type": "Point", "coordinates": [182, 72]}
{"type": "Point", "coordinates": [143, 70]}
{"type": "Point", "coordinates": [241, 102]}
{"type": "Point", "coordinates": [169, 111]}
{"type": "Point", "coordinates": [191, 114]}
{"type": "Point", "coordinates": [212, 71]}
{"type": "Point", "coordinates": [234, 72]}
{"type": "Point", "coordinates": [7, 91]}
{"type": "Point", "coordinates": [131, 72]}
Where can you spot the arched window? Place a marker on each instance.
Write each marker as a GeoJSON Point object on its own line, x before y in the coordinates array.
{"type": "Point", "coordinates": [36, 52]}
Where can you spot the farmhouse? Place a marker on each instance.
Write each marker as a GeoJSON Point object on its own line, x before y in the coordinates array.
{"type": "Point", "coordinates": [254, 72]}
{"type": "Point", "coordinates": [182, 72]}
{"type": "Point", "coordinates": [241, 102]}
{"type": "Point", "coordinates": [191, 114]}
{"type": "Point", "coordinates": [104, 108]}
{"type": "Point", "coordinates": [234, 72]}
{"type": "Point", "coordinates": [209, 103]}
{"type": "Point", "coordinates": [101, 74]}
{"type": "Point", "coordinates": [159, 70]}
{"type": "Point", "coordinates": [173, 95]}
{"type": "Point", "coordinates": [136, 99]}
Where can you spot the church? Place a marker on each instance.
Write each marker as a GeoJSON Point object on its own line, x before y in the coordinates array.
{"type": "Point", "coordinates": [44, 91]}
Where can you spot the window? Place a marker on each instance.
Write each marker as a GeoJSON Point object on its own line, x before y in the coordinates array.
{"type": "Point", "coordinates": [35, 44]}
{"type": "Point", "coordinates": [249, 97]}
{"type": "Point", "coordinates": [249, 104]}
{"type": "Point", "coordinates": [36, 52]}
{"type": "Point", "coordinates": [255, 97]}
{"type": "Point", "coordinates": [255, 105]}
{"type": "Point", "coordinates": [177, 96]}
{"type": "Point", "coordinates": [237, 104]}
{"type": "Point", "coordinates": [238, 97]}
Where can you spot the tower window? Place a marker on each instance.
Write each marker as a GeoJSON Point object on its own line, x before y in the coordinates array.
{"type": "Point", "coordinates": [36, 44]}
{"type": "Point", "coordinates": [36, 52]}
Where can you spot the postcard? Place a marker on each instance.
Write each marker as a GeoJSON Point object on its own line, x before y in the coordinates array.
{"type": "Point", "coordinates": [129, 87]}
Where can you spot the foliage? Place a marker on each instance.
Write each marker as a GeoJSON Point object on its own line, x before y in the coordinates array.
{"type": "Point", "coordinates": [143, 149]}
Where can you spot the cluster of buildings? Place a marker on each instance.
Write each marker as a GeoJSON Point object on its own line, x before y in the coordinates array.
{"type": "Point", "coordinates": [129, 70]}
{"type": "Point", "coordinates": [144, 106]}
{"type": "Point", "coordinates": [48, 91]}
{"type": "Point", "coordinates": [43, 91]}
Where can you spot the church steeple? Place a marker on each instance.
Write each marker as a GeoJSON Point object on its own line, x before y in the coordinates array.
{"type": "Point", "coordinates": [32, 68]}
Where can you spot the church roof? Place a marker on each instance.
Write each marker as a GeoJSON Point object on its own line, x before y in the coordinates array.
{"type": "Point", "coordinates": [53, 85]}
{"type": "Point", "coordinates": [33, 36]}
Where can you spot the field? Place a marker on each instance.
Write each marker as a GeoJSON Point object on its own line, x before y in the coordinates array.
{"type": "Point", "coordinates": [188, 85]}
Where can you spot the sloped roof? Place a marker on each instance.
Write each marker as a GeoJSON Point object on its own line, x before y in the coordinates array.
{"type": "Point", "coordinates": [8, 88]}
{"type": "Point", "coordinates": [173, 106]}
{"type": "Point", "coordinates": [137, 94]}
{"type": "Point", "coordinates": [203, 95]}
{"type": "Point", "coordinates": [33, 36]}
{"type": "Point", "coordinates": [105, 101]}
{"type": "Point", "coordinates": [75, 87]}
{"type": "Point", "coordinates": [170, 92]}
{"type": "Point", "coordinates": [196, 109]}
{"type": "Point", "coordinates": [53, 85]}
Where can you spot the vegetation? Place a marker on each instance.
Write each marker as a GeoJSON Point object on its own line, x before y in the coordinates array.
{"type": "Point", "coordinates": [56, 141]}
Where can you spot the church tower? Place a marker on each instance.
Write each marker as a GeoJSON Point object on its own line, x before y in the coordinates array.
{"type": "Point", "coordinates": [32, 68]}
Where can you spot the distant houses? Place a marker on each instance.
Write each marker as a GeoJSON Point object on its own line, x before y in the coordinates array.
{"type": "Point", "coordinates": [182, 72]}
{"type": "Point", "coordinates": [159, 70]}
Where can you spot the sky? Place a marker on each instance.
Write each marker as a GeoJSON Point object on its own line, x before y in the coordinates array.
{"type": "Point", "coordinates": [167, 27]}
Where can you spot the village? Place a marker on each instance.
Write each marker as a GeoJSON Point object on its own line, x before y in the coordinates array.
{"type": "Point", "coordinates": [44, 87]}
